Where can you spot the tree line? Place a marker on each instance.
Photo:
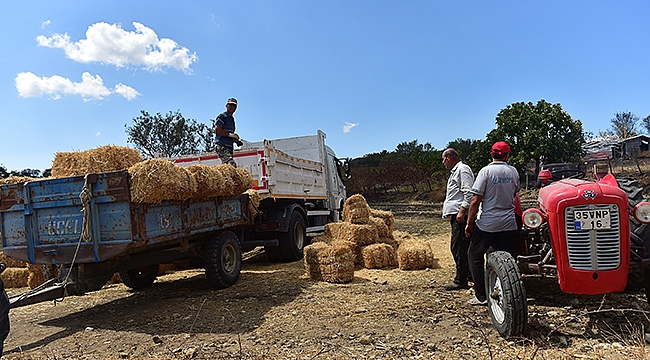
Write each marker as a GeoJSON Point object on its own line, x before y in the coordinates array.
{"type": "Point", "coordinates": [535, 132]}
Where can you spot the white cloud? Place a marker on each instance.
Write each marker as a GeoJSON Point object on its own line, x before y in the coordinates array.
{"type": "Point", "coordinates": [98, 133]}
{"type": "Point", "coordinates": [348, 126]}
{"type": "Point", "coordinates": [90, 87]}
{"type": "Point", "coordinates": [110, 44]}
{"type": "Point", "coordinates": [128, 92]}
{"type": "Point", "coordinates": [45, 24]}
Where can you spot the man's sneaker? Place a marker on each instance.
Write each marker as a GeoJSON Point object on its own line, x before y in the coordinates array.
{"type": "Point", "coordinates": [456, 286]}
{"type": "Point", "coordinates": [475, 301]}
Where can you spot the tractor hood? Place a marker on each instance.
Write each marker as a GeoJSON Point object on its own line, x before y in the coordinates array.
{"type": "Point", "coordinates": [579, 190]}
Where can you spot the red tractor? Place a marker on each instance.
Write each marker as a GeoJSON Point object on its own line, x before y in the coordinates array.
{"type": "Point", "coordinates": [592, 235]}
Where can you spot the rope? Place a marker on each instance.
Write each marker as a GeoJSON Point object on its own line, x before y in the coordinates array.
{"type": "Point", "coordinates": [86, 195]}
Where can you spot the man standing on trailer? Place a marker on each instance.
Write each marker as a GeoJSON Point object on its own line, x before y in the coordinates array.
{"type": "Point", "coordinates": [455, 208]}
{"type": "Point", "coordinates": [226, 136]}
{"type": "Point", "coordinates": [494, 190]}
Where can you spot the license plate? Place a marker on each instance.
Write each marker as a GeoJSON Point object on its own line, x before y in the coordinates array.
{"type": "Point", "coordinates": [591, 219]}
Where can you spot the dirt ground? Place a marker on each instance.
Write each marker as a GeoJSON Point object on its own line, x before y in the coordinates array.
{"type": "Point", "coordinates": [276, 312]}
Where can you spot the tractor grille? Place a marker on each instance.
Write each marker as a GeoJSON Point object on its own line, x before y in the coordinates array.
{"type": "Point", "coordinates": [593, 249]}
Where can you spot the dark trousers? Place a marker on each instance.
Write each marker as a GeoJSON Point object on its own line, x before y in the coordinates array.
{"type": "Point", "coordinates": [4, 315]}
{"type": "Point", "coordinates": [478, 246]}
{"type": "Point", "coordinates": [459, 247]}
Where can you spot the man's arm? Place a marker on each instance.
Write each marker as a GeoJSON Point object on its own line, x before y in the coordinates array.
{"type": "Point", "coordinates": [473, 211]}
{"type": "Point", "coordinates": [466, 182]}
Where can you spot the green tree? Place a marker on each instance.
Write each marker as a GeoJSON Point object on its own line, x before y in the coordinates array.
{"type": "Point", "coordinates": [169, 135]}
{"type": "Point", "coordinates": [532, 131]}
{"type": "Point", "coordinates": [464, 147]}
{"type": "Point", "coordinates": [646, 124]}
{"type": "Point", "coordinates": [26, 172]}
{"type": "Point", "coordinates": [3, 172]}
{"type": "Point", "coordinates": [624, 125]}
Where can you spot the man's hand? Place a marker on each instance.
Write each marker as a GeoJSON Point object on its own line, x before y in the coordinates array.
{"type": "Point", "coordinates": [469, 229]}
{"type": "Point", "coordinates": [460, 217]}
{"type": "Point", "coordinates": [234, 136]}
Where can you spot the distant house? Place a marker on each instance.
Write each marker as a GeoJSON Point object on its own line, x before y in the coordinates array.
{"type": "Point", "coordinates": [634, 145]}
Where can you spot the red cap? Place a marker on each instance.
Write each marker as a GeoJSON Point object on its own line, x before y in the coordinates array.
{"type": "Point", "coordinates": [500, 147]}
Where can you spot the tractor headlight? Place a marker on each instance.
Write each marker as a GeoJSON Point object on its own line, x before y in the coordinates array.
{"type": "Point", "coordinates": [534, 218]}
{"type": "Point", "coordinates": [641, 212]}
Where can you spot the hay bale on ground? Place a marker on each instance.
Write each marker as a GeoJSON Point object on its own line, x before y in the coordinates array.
{"type": "Point", "coordinates": [11, 262]}
{"type": "Point", "coordinates": [401, 236]}
{"type": "Point", "coordinates": [387, 216]}
{"type": "Point", "coordinates": [356, 210]}
{"type": "Point", "coordinates": [102, 159]}
{"type": "Point", "coordinates": [358, 234]}
{"type": "Point", "coordinates": [390, 241]}
{"type": "Point", "coordinates": [36, 275]}
{"type": "Point", "coordinates": [415, 255]}
{"type": "Point", "coordinates": [156, 180]}
{"type": "Point", "coordinates": [312, 265]}
{"type": "Point", "coordinates": [15, 277]}
{"type": "Point", "coordinates": [377, 256]}
{"type": "Point", "coordinates": [336, 264]}
{"type": "Point", "coordinates": [382, 228]}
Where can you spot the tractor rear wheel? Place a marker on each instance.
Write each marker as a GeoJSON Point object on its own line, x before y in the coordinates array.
{"type": "Point", "coordinates": [639, 233]}
{"type": "Point", "coordinates": [506, 294]}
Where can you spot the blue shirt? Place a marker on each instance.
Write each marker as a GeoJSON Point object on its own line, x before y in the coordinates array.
{"type": "Point", "coordinates": [227, 123]}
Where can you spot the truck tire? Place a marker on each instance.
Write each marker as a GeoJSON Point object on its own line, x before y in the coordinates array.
{"type": "Point", "coordinates": [506, 294]}
{"type": "Point", "coordinates": [639, 232]}
{"type": "Point", "coordinates": [293, 241]}
{"type": "Point", "coordinates": [222, 259]}
{"type": "Point", "coordinates": [139, 278]}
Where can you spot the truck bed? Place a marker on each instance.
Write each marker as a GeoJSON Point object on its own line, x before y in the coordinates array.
{"type": "Point", "coordinates": [42, 221]}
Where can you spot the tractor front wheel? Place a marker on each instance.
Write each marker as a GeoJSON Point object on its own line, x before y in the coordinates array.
{"type": "Point", "coordinates": [505, 294]}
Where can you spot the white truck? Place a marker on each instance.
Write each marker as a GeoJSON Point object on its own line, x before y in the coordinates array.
{"type": "Point", "coordinates": [300, 182]}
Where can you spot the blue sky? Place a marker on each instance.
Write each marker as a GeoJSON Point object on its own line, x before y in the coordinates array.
{"type": "Point", "coordinates": [370, 74]}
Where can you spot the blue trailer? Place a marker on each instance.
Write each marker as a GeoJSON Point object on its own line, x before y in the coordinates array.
{"type": "Point", "coordinates": [89, 228]}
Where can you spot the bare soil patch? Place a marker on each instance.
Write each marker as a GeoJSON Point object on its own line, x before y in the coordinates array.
{"type": "Point", "coordinates": [276, 312]}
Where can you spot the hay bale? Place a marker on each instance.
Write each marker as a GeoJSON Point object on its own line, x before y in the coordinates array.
{"type": "Point", "coordinates": [255, 199]}
{"type": "Point", "coordinates": [356, 210]}
{"type": "Point", "coordinates": [11, 262]}
{"type": "Point", "coordinates": [15, 277]}
{"type": "Point", "coordinates": [401, 236]}
{"type": "Point", "coordinates": [358, 234]}
{"type": "Point", "coordinates": [387, 216]}
{"type": "Point", "coordinates": [382, 228]}
{"type": "Point", "coordinates": [377, 256]}
{"type": "Point", "coordinates": [312, 265]}
{"type": "Point", "coordinates": [102, 159]}
{"type": "Point", "coordinates": [156, 180]}
{"type": "Point", "coordinates": [415, 255]}
{"type": "Point", "coordinates": [36, 275]}
{"type": "Point", "coordinates": [242, 180]}
{"type": "Point", "coordinates": [228, 174]}
{"type": "Point", "coordinates": [336, 264]}
{"type": "Point", "coordinates": [327, 239]}
{"type": "Point", "coordinates": [389, 241]}
{"type": "Point", "coordinates": [19, 180]}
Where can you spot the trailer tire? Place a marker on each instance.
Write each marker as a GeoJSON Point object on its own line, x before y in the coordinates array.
{"type": "Point", "coordinates": [293, 241]}
{"type": "Point", "coordinates": [639, 232]}
{"type": "Point", "coordinates": [139, 278]}
{"type": "Point", "coordinates": [222, 259]}
{"type": "Point", "coordinates": [506, 294]}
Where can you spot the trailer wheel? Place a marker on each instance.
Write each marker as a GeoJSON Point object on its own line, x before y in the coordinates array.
{"type": "Point", "coordinates": [505, 294]}
{"type": "Point", "coordinates": [139, 278]}
{"type": "Point", "coordinates": [639, 232]}
{"type": "Point", "coordinates": [293, 241]}
{"type": "Point", "coordinates": [222, 259]}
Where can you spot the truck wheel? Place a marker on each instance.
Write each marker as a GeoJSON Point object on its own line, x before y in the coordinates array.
{"type": "Point", "coordinates": [639, 232]}
{"type": "Point", "coordinates": [139, 278]}
{"type": "Point", "coordinates": [293, 241]}
{"type": "Point", "coordinates": [505, 294]}
{"type": "Point", "coordinates": [222, 259]}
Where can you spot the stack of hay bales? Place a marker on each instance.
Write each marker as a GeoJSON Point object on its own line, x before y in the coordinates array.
{"type": "Point", "coordinates": [102, 159]}
{"type": "Point", "coordinates": [365, 237]}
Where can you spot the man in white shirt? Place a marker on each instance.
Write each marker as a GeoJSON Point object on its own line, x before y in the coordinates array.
{"type": "Point", "coordinates": [455, 208]}
{"type": "Point", "coordinates": [494, 190]}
